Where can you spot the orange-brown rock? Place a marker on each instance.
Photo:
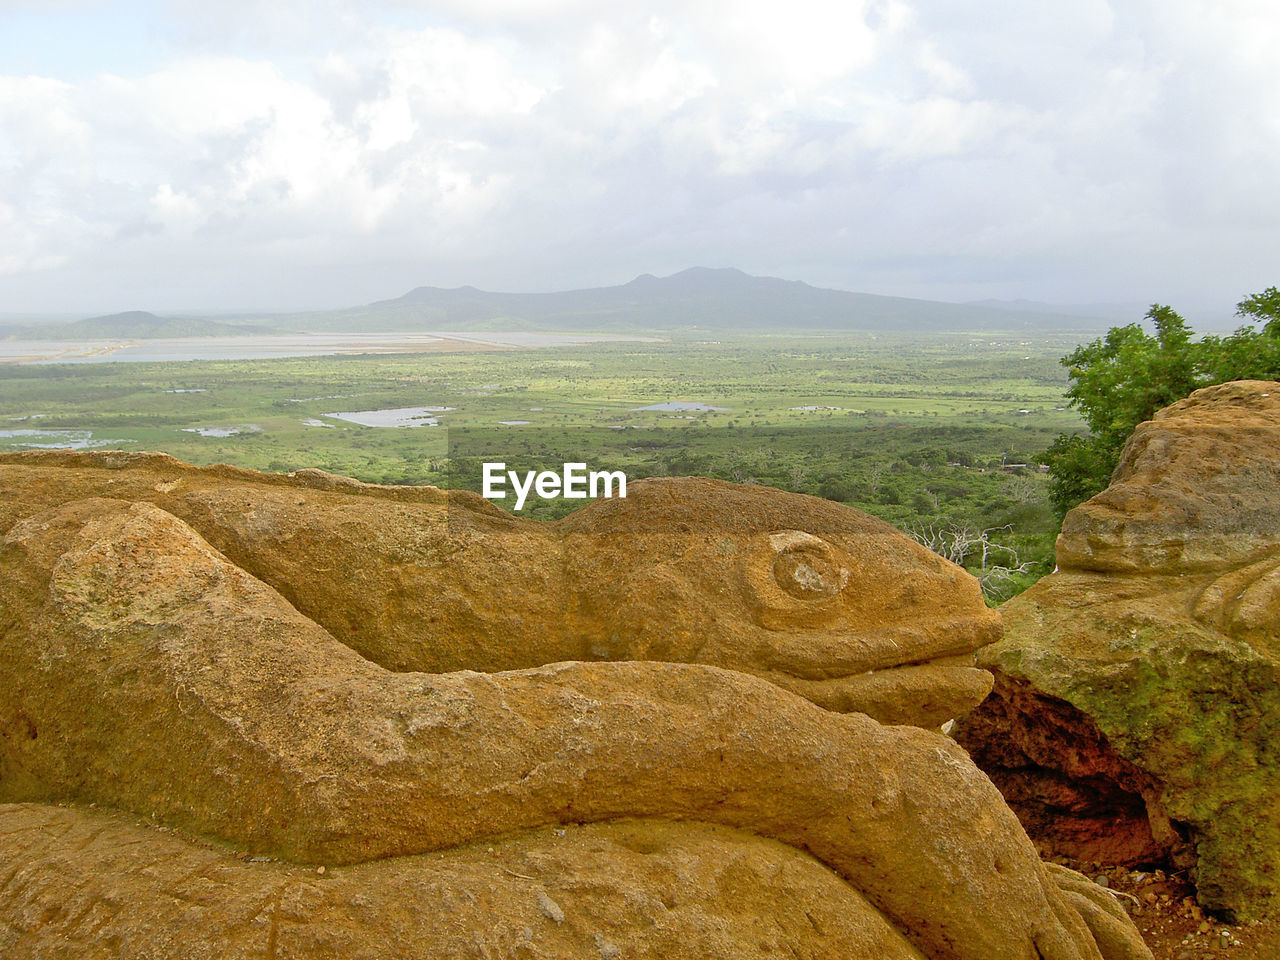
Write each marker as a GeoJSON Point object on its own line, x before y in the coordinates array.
{"type": "Point", "coordinates": [1138, 709]}
{"type": "Point", "coordinates": [96, 886]}
{"type": "Point", "coordinates": [804, 592]}
{"type": "Point", "coordinates": [1195, 490]}
{"type": "Point", "coordinates": [147, 672]}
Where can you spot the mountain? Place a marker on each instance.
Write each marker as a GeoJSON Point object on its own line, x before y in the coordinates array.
{"type": "Point", "coordinates": [132, 325]}
{"type": "Point", "coordinates": [696, 299]}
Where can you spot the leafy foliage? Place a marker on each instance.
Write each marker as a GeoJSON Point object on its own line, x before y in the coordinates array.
{"type": "Point", "coordinates": [1123, 378]}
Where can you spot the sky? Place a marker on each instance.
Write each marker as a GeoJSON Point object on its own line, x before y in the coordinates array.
{"type": "Point", "coordinates": [174, 155]}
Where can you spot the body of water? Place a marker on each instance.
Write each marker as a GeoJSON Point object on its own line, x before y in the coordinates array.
{"type": "Point", "coordinates": [682, 406]}
{"type": "Point", "coordinates": [272, 346]}
{"type": "Point", "coordinates": [398, 417]}
{"type": "Point", "coordinates": [223, 432]}
{"type": "Point", "coordinates": [55, 439]}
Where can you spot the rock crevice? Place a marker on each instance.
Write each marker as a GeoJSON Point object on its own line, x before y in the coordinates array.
{"type": "Point", "coordinates": [1161, 628]}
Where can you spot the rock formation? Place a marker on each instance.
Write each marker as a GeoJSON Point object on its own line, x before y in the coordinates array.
{"type": "Point", "coordinates": [300, 797]}
{"type": "Point", "coordinates": [684, 570]}
{"type": "Point", "coordinates": [1136, 715]}
{"type": "Point", "coordinates": [101, 887]}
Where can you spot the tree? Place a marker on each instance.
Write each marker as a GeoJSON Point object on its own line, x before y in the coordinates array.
{"type": "Point", "coordinates": [1123, 378]}
{"type": "Point", "coordinates": [1264, 306]}
{"type": "Point", "coordinates": [1023, 489]}
{"type": "Point", "coordinates": [1247, 354]}
{"type": "Point", "coordinates": [1118, 381]}
{"type": "Point", "coordinates": [966, 545]}
{"type": "Point", "coordinates": [873, 477]}
{"type": "Point", "coordinates": [1079, 467]}
{"type": "Point", "coordinates": [798, 474]}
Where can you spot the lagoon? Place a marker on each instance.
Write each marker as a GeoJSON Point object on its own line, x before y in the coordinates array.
{"type": "Point", "coordinates": [274, 346]}
{"type": "Point", "coordinates": [223, 432]}
{"type": "Point", "coordinates": [398, 417]}
{"type": "Point", "coordinates": [680, 405]}
{"type": "Point", "coordinates": [55, 439]}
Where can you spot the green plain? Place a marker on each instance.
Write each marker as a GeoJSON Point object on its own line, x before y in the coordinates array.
{"type": "Point", "coordinates": [921, 429]}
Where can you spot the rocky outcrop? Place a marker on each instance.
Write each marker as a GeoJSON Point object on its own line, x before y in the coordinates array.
{"type": "Point", "coordinates": [1137, 712]}
{"type": "Point", "coordinates": [101, 887]}
{"type": "Point", "coordinates": [557, 806]}
{"type": "Point", "coordinates": [806, 593]}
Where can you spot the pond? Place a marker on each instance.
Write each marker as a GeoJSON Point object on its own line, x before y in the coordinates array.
{"type": "Point", "coordinates": [56, 439]}
{"type": "Point", "coordinates": [682, 406]}
{"type": "Point", "coordinates": [223, 432]}
{"type": "Point", "coordinates": [397, 417]}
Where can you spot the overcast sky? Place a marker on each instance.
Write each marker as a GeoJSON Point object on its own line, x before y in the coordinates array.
{"type": "Point", "coordinates": [179, 154]}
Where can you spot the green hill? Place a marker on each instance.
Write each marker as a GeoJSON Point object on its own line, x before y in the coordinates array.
{"type": "Point", "coordinates": [133, 325]}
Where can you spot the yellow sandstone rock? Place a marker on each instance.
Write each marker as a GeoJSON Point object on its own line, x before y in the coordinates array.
{"type": "Point", "coordinates": [685, 570]}
{"type": "Point", "coordinates": [1136, 714]}
{"type": "Point", "coordinates": [148, 672]}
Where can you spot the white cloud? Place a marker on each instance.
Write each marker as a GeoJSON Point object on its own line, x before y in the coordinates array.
{"type": "Point", "coordinates": [20, 251]}
{"type": "Point", "coordinates": [559, 142]}
{"type": "Point", "coordinates": [800, 46]}
{"type": "Point", "coordinates": [445, 74]}
{"type": "Point", "coordinates": [932, 126]}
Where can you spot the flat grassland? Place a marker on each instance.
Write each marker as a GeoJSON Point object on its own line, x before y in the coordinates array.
{"type": "Point", "coordinates": [924, 431]}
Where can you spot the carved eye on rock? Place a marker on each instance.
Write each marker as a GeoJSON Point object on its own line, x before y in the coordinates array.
{"type": "Point", "coordinates": [793, 579]}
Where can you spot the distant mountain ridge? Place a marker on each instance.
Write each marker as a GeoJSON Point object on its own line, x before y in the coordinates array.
{"type": "Point", "coordinates": [132, 325]}
{"type": "Point", "coordinates": [699, 298]}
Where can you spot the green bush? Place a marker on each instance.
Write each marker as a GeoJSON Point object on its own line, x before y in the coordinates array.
{"type": "Point", "coordinates": [1123, 378]}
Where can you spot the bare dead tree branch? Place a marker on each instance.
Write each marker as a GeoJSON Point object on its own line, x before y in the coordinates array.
{"type": "Point", "coordinates": [959, 541]}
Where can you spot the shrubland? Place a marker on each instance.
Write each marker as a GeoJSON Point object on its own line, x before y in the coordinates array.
{"type": "Point", "coordinates": [935, 434]}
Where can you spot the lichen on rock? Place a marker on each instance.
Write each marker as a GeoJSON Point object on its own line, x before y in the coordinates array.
{"type": "Point", "coordinates": [1146, 666]}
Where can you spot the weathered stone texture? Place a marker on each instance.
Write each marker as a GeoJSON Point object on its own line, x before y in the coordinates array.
{"type": "Point", "coordinates": [1145, 668]}
{"type": "Point", "coordinates": [149, 673]}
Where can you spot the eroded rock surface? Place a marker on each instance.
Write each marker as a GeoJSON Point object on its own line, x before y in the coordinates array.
{"type": "Point", "coordinates": [799, 590]}
{"type": "Point", "coordinates": [95, 886]}
{"type": "Point", "coordinates": [1141, 677]}
{"type": "Point", "coordinates": [148, 673]}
